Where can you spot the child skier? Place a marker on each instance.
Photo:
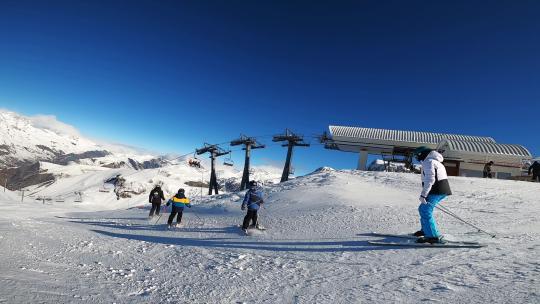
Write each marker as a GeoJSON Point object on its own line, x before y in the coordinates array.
{"type": "Point", "coordinates": [155, 198]}
{"type": "Point", "coordinates": [435, 188]}
{"type": "Point", "coordinates": [178, 201]}
{"type": "Point", "coordinates": [252, 201]}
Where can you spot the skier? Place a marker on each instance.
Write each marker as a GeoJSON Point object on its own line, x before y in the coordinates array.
{"type": "Point", "coordinates": [535, 168]}
{"type": "Point", "coordinates": [178, 201]}
{"type": "Point", "coordinates": [487, 170]}
{"type": "Point", "coordinates": [155, 198]}
{"type": "Point", "coordinates": [252, 201]}
{"type": "Point", "coordinates": [435, 188]}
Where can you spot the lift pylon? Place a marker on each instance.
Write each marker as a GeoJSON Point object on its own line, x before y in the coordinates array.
{"type": "Point", "coordinates": [249, 144]}
{"type": "Point", "coordinates": [215, 152]}
{"type": "Point", "coordinates": [293, 140]}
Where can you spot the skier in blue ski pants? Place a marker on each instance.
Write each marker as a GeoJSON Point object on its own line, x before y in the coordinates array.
{"type": "Point", "coordinates": [435, 187]}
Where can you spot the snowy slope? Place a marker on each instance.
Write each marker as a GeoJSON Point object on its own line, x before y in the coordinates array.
{"type": "Point", "coordinates": [314, 251]}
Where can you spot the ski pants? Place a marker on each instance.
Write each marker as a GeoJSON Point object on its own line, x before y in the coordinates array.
{"type": "Point", "coordinates": [429, 227]}
{"type": "Point", "coordinates": [251, 215]}
{"type": "Point", "coordinates": [175, 211]}
{"type": "Point", "coordinates": [155, 208]}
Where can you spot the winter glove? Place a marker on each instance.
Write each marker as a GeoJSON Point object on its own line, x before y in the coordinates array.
{"type": "Point", "coordinates": [168, 203]}
{"type": "Point", "coordinates": [243, 207]}
{"type": "Point", "coordinates": [189, 206]}
{"type": "Point", "coordinates": [423, 200]}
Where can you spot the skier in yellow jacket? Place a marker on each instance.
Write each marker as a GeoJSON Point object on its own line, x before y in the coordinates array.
{"type": "Point", "coordinates": [178, 201]}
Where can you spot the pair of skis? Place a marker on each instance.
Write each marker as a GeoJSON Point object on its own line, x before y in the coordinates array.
{"type": "Point", "coordinates": [408, 240]}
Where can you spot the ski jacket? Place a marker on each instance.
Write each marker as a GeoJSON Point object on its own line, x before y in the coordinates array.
{"type": "Point", "coordinates": [535, 168]}
{"type": "Point", "coordinates": [434, 178]}
{"type": "Point", "coordinates": [253, 199]}
{"type": "Point", "coordinates": [156, 196]}
{"type": "Point", "coordinates": [179, 201]}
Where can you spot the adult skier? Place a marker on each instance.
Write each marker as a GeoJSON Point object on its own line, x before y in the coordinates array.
{"type": "Point", "coordinates": [487, 170]}
{"type": "Point", "coordinates": [252, 202]}
{"type": "Point", "coordinates": [435, 188]}
{"type": "Point", "coordinates": [535, 168]}
{"type": "Point", "coordinates": [178, 201]}
{"type": "Point", "coordinates": [155, 198]}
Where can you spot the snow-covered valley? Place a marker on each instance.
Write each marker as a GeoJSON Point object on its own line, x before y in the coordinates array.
{"type": "Point", "coordinates": [104, 250]}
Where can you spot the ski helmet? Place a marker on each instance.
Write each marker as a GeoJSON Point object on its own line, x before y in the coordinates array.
{"type": "Point", "coordinates": [252, 184]}
{"type": "Point", "coordinates": [421, 153]}
{"type": "Point", "coordinates": [181, 190]}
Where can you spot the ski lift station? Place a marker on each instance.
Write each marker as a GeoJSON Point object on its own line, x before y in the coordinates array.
{"type": "Point", "coordinates": [463, 155]}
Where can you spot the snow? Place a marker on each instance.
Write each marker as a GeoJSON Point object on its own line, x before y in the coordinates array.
{"type": "Point", "coordinates": [315, 250]}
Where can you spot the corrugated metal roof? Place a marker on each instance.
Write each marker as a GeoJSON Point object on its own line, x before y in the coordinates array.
{"type": "Point", "coordinates": [484, 148]}
{"type": "Point", "coordinates": [404, 136]}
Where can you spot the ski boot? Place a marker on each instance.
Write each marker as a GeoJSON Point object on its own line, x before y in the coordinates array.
{"type": "Point", "coordinates": [431, 240]}
{"type": "Point", "coordinates": [419, 233]}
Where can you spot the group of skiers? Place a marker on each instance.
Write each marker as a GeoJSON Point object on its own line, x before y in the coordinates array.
{"type": "Point", "coordinates": [435, 188]}
{"type": "Point", "coordinates": [253, 200]}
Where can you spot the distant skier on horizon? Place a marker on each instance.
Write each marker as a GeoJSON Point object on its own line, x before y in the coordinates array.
{"type": "Point", "coordinates": [155, 198]}
{"type": "Point", "coordinates": [487, 170]}
{"type": "Point", "coordinates": [435, 188]}
{"type": "Point", "coordinates": [535, 168]}
{"type": "Point", "coordinates": [252, 202]}
{"type": "Point", "coordinates": [178, 201]}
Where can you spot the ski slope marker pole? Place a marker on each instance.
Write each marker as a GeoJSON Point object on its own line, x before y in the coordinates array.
{"type": "Point", "coordinates": [447, 211]}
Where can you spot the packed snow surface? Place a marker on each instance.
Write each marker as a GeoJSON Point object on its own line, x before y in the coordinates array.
{"type": "Point", "coordinates": [314, 251]}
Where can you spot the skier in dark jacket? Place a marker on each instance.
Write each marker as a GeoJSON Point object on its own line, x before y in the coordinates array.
{"type": "Point", "coordinates": [535, 168]}
{"type": "Point", "coordinates": [252, 202]}
{"type": "Point", "coordinates": [487, 170]}
{"type": "Point", "coordinates": [155, 198]}
{"type": "Point", "coordinates": [178, 201]}
{"type": "Point", "coordinates": [435, 188]}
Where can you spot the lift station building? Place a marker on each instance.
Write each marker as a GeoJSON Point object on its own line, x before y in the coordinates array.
{"type": "Point", "coordinates": [464, 155]}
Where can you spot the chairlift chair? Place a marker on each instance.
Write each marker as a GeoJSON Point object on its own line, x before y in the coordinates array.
{"type": "Point", "coordinates": [228, 161]}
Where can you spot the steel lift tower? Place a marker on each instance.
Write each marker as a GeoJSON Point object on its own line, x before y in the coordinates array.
{"type": "Point", "coordinates": [215, 152]}
{"type": "Point", "coordinates": [249, 144]}
{"type": "Point", "coordinates": [293, 140]}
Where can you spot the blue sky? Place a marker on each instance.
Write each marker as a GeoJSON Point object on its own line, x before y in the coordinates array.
{"type": "Point", "coordinates": [171, 75]}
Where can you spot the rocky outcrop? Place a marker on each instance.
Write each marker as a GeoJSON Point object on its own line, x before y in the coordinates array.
{"type": "Point", "coordinates": [24, 176]}
{"type": "Point", "coordinates": [71, 157]}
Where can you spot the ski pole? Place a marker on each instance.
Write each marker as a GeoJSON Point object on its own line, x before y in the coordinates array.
{"type": "Point", "coordinates": [199, 218]}
{"type": "Point", "coordinates": [159, 217]}
{"type": "Point", "coordinates": [447, 211]}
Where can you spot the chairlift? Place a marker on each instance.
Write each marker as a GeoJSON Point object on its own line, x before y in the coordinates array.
{"type": "Point", "coordinates": [194, 162]}
{"type": "Point", "coordinates": [228, 161]}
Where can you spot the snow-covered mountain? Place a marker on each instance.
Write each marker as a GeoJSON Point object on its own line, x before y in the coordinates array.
{"type": "Point", "coordinates": [27, 140]}
{"type": "Point", "coordinates": [40, 151]}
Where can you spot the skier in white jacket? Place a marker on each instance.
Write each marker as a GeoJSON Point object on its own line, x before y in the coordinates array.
{"type": "Point", "coordinates": [435, 188]}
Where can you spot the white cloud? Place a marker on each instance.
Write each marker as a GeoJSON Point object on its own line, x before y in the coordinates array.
{"type": "Point", "coordinates": [50, 122]}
